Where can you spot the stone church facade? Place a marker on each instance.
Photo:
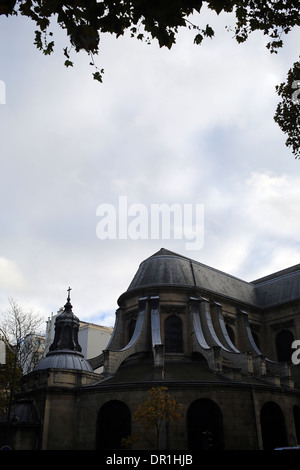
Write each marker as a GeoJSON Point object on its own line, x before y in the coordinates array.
{"type": "Point", "coordinates": [222, 347]}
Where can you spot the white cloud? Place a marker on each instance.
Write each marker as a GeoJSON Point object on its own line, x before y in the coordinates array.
{"type": "Point", "coordinates": [253, 227]}
{"type": "Point", "coordinates": [273, 205]}
{"type": "Point", "coordinates": [10, 275]}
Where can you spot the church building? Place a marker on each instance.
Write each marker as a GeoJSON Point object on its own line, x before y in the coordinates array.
{"type": "Point", "coordinates": [223, 347]}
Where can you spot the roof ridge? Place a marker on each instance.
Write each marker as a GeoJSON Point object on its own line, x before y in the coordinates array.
{"type": "Point", "coordinates": [165, 252]}
{"type": "Point", "coordinates": [278, 274]}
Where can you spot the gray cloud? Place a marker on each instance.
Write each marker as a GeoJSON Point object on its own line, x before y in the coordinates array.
{"type": "Point", "coordinates": [191, 125]}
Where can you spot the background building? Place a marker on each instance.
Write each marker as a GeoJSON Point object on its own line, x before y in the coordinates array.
{"type": "Point", "coordinates": [222, 347]}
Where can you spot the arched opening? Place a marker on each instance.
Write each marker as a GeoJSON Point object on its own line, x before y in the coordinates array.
{"type": "Point", "coordinates": [296, 411]}
{"type": "Point", "coordinates": [284, 341]}
{"type": "Point", "coordinates": [198, 357]}
{"type": "Point", "coordinates": [173, 335]}
{"type": "Point", "coordinates": [131, 328]}
{"type": "Point", "coordinates": [231, 334]}
{"type": "Point", "coordinates": [256, 339]}
{"type": "Point", "coordinates": [113, 424]}
{"type": "Point", "coordinates": [205, 426]}
{"type": "Point", "coordinates": [272, 426]}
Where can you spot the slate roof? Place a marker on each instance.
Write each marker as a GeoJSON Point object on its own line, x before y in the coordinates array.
{"type": "Point", "coordinates": [177, 371]}
{"type": "Point", "coordinates": [64, 360]}
{"type": "Point", "coordinates": [278, 288]}
{"type": "Point", "coordinates": [166, 268]}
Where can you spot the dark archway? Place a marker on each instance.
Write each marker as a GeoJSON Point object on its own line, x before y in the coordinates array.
{"type": "Point", "coordinates": [173, 335]}
{"type": "Point", "coordinates": [296, 411]}
{"type": "Point", "coordinates": [284, 341]}
{"type": "Point", "coordinates": [272, 426]}
{"type": "Point", "coordinates": [131, 328]}
{"type": "Point", "coordinates": [256, 339]}
{"type": "Point", "coordinates": [113, 424]}
{"type": "Point", "coordinates": [205, 426]}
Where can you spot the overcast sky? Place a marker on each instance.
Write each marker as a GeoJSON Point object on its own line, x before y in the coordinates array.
{"type": "Point", "coordinates": [193, 126]}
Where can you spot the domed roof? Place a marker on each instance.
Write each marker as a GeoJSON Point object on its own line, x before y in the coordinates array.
{"type": "Point", "coordinates": [64, 360]}
{"type": "Point", "coordinates": [163, 268]}
{"type": "Point", "coordinates": [24, 411]}
{"type": "Point", "coordinates": [166, 268]}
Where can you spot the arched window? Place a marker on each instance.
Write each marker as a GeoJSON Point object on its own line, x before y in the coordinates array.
{"type": "Point", "coordinates": [205, 426]}
{"type": "Point", "coordinates": [173, 335]}
{"type": "Point", "coordinates": [272, 426]}
{"type": "Point", "coordinates": [113, 424]}
{"type": "Point", "coordinates": [284, 341]}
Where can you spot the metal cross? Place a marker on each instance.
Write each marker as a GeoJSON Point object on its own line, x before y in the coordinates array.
{"type": "Point", "coordinates": [69, 290]}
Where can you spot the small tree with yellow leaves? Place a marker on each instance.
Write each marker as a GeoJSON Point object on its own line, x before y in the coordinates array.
{"type": "Point", "coordinates": [157, 410]}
